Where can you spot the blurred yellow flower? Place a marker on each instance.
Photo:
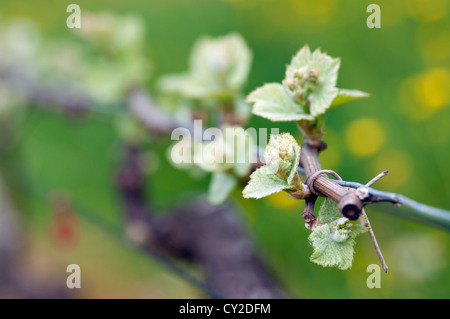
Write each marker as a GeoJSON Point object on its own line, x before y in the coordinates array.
{"type": "Point", "coordinates": [428, 10]}
{"type": "Point", "coordinates": [364, 136]}
{"type": "Point", "coordinates": [399, 166]}
{"type": "Point", "coordinates": [433, 88]}
{"type": "Point", "coordinates": [420, 96]}
{"type": "Point", "coordinates": [313, 12]}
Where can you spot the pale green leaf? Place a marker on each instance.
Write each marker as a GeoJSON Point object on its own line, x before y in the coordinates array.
{"type": "Point", "coordinates": [329, 211]}
{"type": "Point", "coordinates": [271, 102]}
{"type": "Point", "coordinates": [301, 59]}
{"type": "Point", "coordinates": [321, 98]}
{"type": "Point", "coordinates": [334, 239]}
{"type": "Point", "coordinates": [357, 229]}
{"type": "Point", "coordinates": [221, 63]}
{"type": "Point", "coordinates": [325, 92]}
{"type": "Point", "coordinates": [328, 252]}
{"type": "Point", "coordinates": [220, 187]}
{"type": "Point", "coordinates": [345, 96]}
{"type": "Point", "coordinates": [264, 183]}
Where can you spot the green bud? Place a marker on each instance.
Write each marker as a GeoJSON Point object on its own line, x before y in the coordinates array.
{"type": "Point", "coordinates": [301, 82]}
{"type": "Point", "coordinates": [282, 155]}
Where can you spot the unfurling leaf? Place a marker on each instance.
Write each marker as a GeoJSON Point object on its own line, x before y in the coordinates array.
{"type": "Point", "coordinates": [329, 252]}
{"type": "Point", "coordinates": [311, 80]}
{"type": "Point", "coordinates": [271, 102]}
{"type": "Point", "coordinates": [282, 156]}
{"type": "Point", "coordinates": [307, 91]}
{"type": "Point", "coordinates": [334, 238]}
{"type": "Point", "coordinates": [328, 211]}
{"type": "Point", "coordinates": [263, 182]}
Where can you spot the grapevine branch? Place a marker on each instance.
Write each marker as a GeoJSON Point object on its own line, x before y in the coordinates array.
{"type": "Point", "coordinates": [349, 203]}
{"type": "Point", "coordinates": [155, 120]}
{"type": "Point", "coordinates": [435, 216]}
{"type": "Point", "coordinates": [350, 196]}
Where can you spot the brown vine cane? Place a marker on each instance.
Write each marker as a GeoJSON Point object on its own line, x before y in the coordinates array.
{"type": "Point", "coordinates": [349, 204]}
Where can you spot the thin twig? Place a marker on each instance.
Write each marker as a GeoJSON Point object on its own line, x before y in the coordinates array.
{"type": "Point", "coordinates": [374, 241]}
{"type": "Point", "coordinates": [367, 224]}
{"type": "Point", "coordinates": [376, 178]}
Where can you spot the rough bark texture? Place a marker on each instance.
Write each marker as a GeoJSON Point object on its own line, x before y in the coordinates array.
{"type": "Point", "coordinates": [349, 204]}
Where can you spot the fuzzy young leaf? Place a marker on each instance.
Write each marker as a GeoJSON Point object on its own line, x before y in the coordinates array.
{"type": "Point", "coordinates": [329, 252]}
{"type": "Point", "coordinates": [357, 229]}
{"type": "Point", "coordinates": [329, 211]}
{"type": "Point", "coordinates": [334, 238]}
{"type": "Point", "coordinates": [311, 79]}
{"type": "Point", "coordinates": [220, 187]}
{"type": "Point", "coordinates": [264, 183]}
{"type": "Point", "coordinates": [307, 91]}
{"type": "Point", "coordinates": [282, 156]}
{"type": "Point", "coordinates": [345, 96]}
{"type": "Point", "coordinates": [271, 102]}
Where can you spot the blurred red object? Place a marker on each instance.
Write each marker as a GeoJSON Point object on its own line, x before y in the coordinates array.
{"type": "Point", "coordinates": [64, 232]}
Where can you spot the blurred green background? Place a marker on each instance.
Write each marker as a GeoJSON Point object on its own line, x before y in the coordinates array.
{"type": "Point", "coordinates": [405, 66]}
